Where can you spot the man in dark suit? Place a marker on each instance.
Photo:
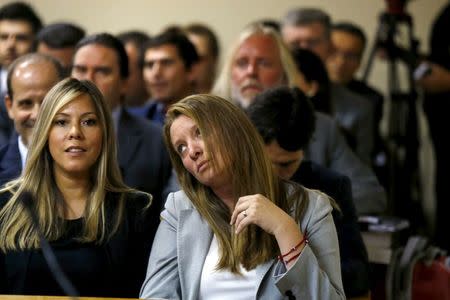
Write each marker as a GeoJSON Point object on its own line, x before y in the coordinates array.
{"type": "Point", "coordinates": [349, 42]}
{"type": "Point", "coordinates": [285, 119]}
{"type": "Point", "coordinates": [310, 28]}
{"type": "Point", "coordinates": [143, 159]}
{"type": "Point", "coordinates": [30, 77]}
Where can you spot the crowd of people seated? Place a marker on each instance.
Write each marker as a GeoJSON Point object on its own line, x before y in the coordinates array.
{"type": "Point", "coordinates": [153, 173]}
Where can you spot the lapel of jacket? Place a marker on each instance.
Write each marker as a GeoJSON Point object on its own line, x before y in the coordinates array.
{"type": "Point", "coordinates": [261, 273]}
{"type": "Point", "coordinates": [129, 137]}
{"type": "Point", "coordinates": [194, 237]}
{"type": "Point", "coordinates": [12, 159]}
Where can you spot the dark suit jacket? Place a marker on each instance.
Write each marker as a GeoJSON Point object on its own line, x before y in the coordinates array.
{"type": "Point", "coordinates": [6, 125]}
{"type": "Point", "coordinates": [354, 260]}
{"type": "Point", "coordinates": [126, 254]}
{"type": "Point", "coordinates": [142, 156]}
{"type": "Point", "coordinates": [10, 161]}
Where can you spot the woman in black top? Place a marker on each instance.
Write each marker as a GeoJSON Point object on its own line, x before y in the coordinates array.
{"type": "Point", "coordinates": [100, 230]}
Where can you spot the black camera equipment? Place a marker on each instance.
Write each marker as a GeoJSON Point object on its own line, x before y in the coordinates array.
{"type": "Point", "coordinates": [402, 134]}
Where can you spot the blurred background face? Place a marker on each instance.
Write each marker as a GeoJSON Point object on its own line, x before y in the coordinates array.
{"type": "Point", "coordinates": [30, 84]}
{"type": "Point", "coordinates": [205, 68]}
{"type": "Point", "coordinates": [63, 55]}
{"type": "Point", "coordinates": [312, 37]}
{"type": "Point", "coordinates": [346, 57]}
{"type": "Point", "coordinates": [165, 74]}
{"type": "Point", "coordinates": [136, 92]}
{"type": "Point", "coordinates": [16, 39]}
{"type": "Point", "coordinates": [285, 163]}
{"type": "Point", "coordinates": [256, 66]}
{"type": "Point", "coordinates": [75, 138]}
{"type": "Point", "coordinates": [100, 65]}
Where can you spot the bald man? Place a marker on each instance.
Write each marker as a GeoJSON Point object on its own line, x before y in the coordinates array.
{"type": "Point", "coordinates": [30, 77]}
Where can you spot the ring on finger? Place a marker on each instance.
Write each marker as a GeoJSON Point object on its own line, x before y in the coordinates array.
{"type": "Point", "coordinates": [244, 213]}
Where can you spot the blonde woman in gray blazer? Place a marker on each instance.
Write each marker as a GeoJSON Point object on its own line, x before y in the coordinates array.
{"type": "Point", "coordinates": [236, 230]}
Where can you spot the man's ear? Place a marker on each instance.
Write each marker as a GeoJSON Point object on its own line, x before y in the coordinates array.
{"type": "Point", "coordinates": [192, 72]}
{"type": "Point", "coordinates": [8, 105]}
{"type": "Point", "coordinates": [302, 155]}
{"type": "Point", "coordinates": [313, 88]}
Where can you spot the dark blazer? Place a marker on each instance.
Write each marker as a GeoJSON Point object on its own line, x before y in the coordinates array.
{"type": "Point", "coordinates": [155, 112]}
{"type": "Point", "coordinates": [126, 254]}
{"type": "Point", "coordinates": [142, 155]}
{"type": "Point", "coordinates": [354, 260]}
{"type": "Point", "coordinates": [6, 124]}
{"type": "Point", "coordinates": [10, 161]}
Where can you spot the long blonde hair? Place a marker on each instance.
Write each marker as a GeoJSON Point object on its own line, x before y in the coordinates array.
{"type": "Point", "coordinates": [230, 136]}
{"type": "Point", "coordinates": [16, 230]}
{"type": "Point", "coordinates": [222, 86]}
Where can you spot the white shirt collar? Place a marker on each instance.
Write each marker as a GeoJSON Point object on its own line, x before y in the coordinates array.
{"type": "Point", "coordinates": [3, 75]}
{"type": "Point", "coordinates": [23, 150]}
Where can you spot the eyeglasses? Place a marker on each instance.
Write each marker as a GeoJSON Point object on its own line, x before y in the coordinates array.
{"type": "Point", "coordinates": [348, 56]}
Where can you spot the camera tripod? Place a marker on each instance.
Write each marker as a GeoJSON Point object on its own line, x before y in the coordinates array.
{"type": "Point", "coordinates": [402, 134]}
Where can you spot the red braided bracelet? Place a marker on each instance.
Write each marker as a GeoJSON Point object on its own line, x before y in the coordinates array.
{"type": "Point", "coordinates": [292, 258]}
{"type": "Point", "coordinates": [304, 240]}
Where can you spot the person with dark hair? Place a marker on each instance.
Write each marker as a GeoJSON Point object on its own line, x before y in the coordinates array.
{"type": "Point", "coordinates": [100, 230]}
{"type": "Point", "coordinates": [143, 159]}
{"type": "Point", "coordinates": [285, 119]}
{"type": "Point", "coordinates": [137, 96]}
{"type": "Point", "coordinates": [59, 40]}
{"type": "Point", "coordinates": [310, 28]}
{"type": "Point", "coordinates": [307, 28]}
{"type": "Point", "coordinates": [30, 77]}
{"type": "Point", "coordinates": [168, 68]}
{"type": "Point", "coordinates": [236, 230]}
{"type": "Point", "coordinates": [349, 42]}
{"type": "Point", "coordinates": [315, 74]}
{"type": "Point", "coordinates": [207, 46]}
{"type": "Point", "coordinates": [19, 25]}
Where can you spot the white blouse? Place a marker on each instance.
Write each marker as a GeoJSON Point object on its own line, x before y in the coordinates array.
{"type": "Point", "coordinates": [221, 284]}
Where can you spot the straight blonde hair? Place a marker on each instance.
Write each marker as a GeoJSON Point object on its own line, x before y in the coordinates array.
{"type": "Point", "coordinates": [230, 136]}
{"type": "Point", "coordinates": [16, 230]}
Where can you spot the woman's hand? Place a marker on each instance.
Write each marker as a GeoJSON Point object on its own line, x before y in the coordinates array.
{"type": "Point", "coordinates": [258, 210]}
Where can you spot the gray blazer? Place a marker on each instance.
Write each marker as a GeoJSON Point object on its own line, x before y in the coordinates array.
{"type": "Point", "coordinates": [184, 237]}
{"type": "Point", "coordinates": [329, 148]}
{"type": "Point", "coordinates": [355, 114]}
